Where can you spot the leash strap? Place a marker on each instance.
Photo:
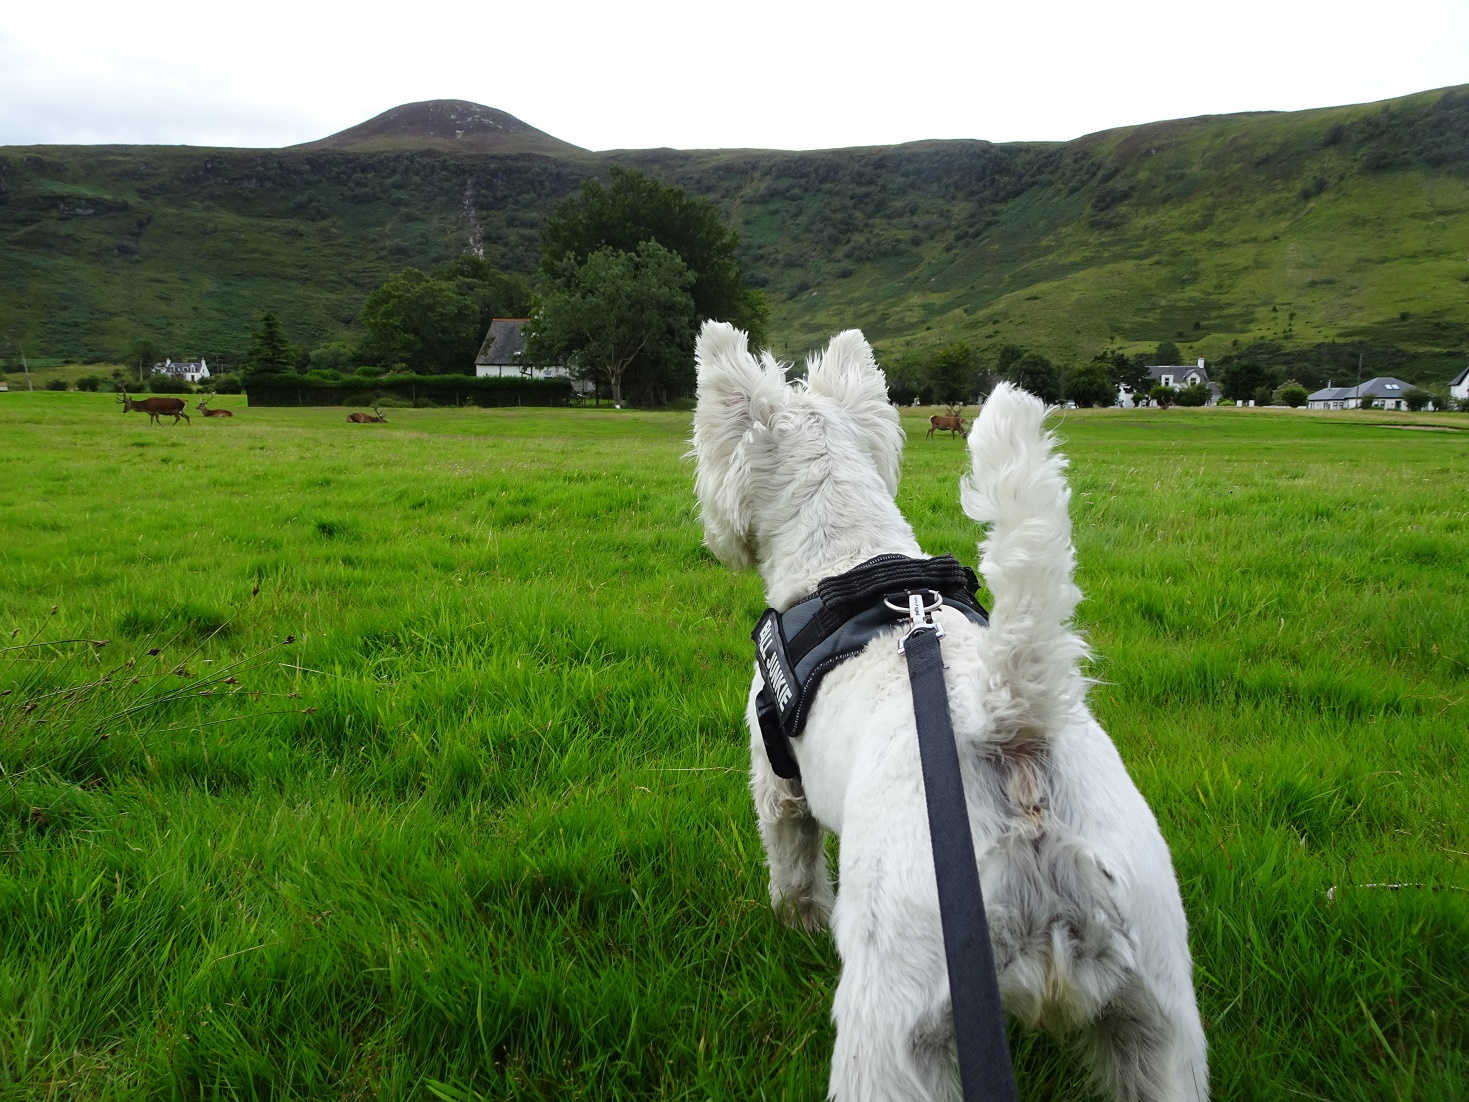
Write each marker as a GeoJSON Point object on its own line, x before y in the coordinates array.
{"type": "Point", "coordinates": [979, 1018]}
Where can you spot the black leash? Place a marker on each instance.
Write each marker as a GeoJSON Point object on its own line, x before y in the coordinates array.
{"type": "Point", "coordinates": [979, 1017]}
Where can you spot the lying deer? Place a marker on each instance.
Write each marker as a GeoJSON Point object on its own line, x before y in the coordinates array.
{"type": "Point", "coordinates": [154, 406]}
{"type": "Point", "coordinates": [366, 418]}
{"type": "Point", "coordinates": [203, 408]}
{"type": "Point", "coordinates": [952, 421]}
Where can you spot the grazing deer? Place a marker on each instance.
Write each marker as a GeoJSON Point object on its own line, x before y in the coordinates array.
{"type": "Point", "coordinates": [203, 408]}
{"type": "Point", "coordinates": [953, 421]}
{"type": "Point", "coordinates": [154, 406]}
{"type": "Point", "coordinates": [366, 418]}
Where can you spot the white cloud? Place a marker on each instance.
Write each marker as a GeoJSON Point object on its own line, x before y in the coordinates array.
{"type": "Point", "coordinates": [792, 75]}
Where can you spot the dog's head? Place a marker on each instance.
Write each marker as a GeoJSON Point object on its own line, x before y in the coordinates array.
{"type": "Point", "coordinates": [772, 455]}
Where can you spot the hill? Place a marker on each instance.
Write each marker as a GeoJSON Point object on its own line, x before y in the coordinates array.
{"type": "Point", "coordinates": [447, 125]}
{"type": "Point", "coordinates": [1339, 224]}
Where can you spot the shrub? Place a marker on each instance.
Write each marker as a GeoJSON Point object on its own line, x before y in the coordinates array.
{"type": "Point", "coordinates": [91, 382]}
{"type": "Point", "coordinates": [1226, 401]}
{"type": "Point", "coordinates": [168, 384]}
{"type": "Point", "coordinates": [1263, 396]}
{"type": "Point", "coordinates": [1291, 394]}
{"type": "Point", "coordinates": [56, 384]}
{"type": "Point", "coordinates": [223, 384]}
{"type": "Point", "coordinates": [1416, 398]}
{"type": "Point", "coordinates": [1195, 394]}
{"type": "Point", "coordinates": [1163, 396]}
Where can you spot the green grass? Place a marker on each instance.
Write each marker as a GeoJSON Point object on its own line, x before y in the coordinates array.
{"type": "Point", "coordinates": [480, 830]}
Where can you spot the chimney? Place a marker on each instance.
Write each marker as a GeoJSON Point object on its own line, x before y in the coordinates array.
{"type": "Point", "coordinates": [1201, 363]}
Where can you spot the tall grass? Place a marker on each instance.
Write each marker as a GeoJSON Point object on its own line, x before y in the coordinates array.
{"type": "Point", "coordinates": [480, 830]}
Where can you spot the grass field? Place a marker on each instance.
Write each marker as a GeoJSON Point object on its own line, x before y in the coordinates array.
{"type": "Point", "coordinates": [435, 786]}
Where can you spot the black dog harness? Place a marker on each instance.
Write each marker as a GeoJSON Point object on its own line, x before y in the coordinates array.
{"type": "Point", "coordinates": [794, 651]}
{"type": "Point", "coordinates": [797, 648]}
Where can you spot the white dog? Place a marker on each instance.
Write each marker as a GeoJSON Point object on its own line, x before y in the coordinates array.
{"type": "Point", "coordinates": [1084, 912]}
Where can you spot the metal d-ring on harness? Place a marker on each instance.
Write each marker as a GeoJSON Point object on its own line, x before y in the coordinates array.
{"type": "Point", "coordinates": [833, 624]}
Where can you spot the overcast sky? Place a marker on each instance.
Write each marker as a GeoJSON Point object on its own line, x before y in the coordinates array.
{"type": "Point", "coordinates": [690, 74]}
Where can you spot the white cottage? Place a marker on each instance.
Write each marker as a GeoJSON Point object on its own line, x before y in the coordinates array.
{"type": "Point", "coordinates": [191, 371]}
{"type": "Point", "coordinates": [1387, 392]}
{"type": "Point", "coordinates": [502, 353]}
{"type": "Point", "coordinates": [1177, 376]}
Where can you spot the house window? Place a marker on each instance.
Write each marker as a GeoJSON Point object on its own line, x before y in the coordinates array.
{"type": "Point", "coordinates": [1166, 380]}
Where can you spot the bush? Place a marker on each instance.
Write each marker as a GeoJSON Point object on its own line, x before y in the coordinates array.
{"type": "Point", "coordinates": [159, 383]}
{"type": "Point", "coordinates": [1195, 394]}
{"type": "Point", "coordinates": [91, 382]}
{"type": "Point", "coordinates": [56, 384]}
{"type": "Point", "coordinates": [1416, 398]}
{"type": "Point", "coordinates": [1226, 401]}
{"type": "Point", "coordinates": [1263, 396]}
{"type": "Point", "coordinates": [223, 384]}
{"type": "Point", "coordinates": [1291, 394]}
{"type": "Point", "coordinates": [1163, 396]}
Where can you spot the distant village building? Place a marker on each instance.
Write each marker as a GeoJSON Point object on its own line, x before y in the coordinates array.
{"type": "Point", "coordinates": [1177, 376]}
{"type": "Point", "coordinates": [1459, 385]}
{"type": "Point", "coordinates": [1387, 392]}
{"type": "Point", "coordinates": [191, 371]}
{"type": "Point", "coordinates": [502, 354]}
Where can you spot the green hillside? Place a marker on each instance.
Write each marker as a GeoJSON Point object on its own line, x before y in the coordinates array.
{"type": "Point", "coordinates": [1341, 224]}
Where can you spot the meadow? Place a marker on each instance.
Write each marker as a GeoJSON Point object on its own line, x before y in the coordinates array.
{"type": "Point", "coordinates": [405, 760]}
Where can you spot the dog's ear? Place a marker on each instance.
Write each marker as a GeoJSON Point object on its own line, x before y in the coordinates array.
{"type": "Point", "coordinates": [737, 397]}
{"type": "Point", "coordinates": [848, 374]}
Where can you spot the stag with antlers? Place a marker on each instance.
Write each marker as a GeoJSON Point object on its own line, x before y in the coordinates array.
{"type": "Point", "coordinates": [367, 418]}
{"type": "Point", "coordinates": [203, 407]}
{"type": "Point", "coordinates": [952, 421]}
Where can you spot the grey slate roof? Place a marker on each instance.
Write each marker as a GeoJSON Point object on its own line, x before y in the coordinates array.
{"type": "Point", "coordinates": [1384, 386]}
{"type": "Point", "coordinates": [503, 344]}
{"type": "Point", "coordinates": [1460, 377]}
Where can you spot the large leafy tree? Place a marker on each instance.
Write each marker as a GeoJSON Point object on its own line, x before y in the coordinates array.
{"type": "Point", "coordinates": [621, 316]}
{"type": "Point", "coordinates": [953, 374]}
{"type": "Point", "coordinates": [1091, 384]}
{"type": "Point", "coordinates": [435, 322]}
{"type": "Point", "coordinates": [423, 323]}
{"type": "Point", "coordinates": [632, 208]}
{"type": "Point", "coordinates": [1033, 372]}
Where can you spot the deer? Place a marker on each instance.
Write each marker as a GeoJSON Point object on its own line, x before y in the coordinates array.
{"type": "Point", "coordinates": [953, 421]}
{"type": "Point", "coordinates": [366, 418]}
{"type": "Point", "coordinates": [154, 406]}
{"type": "Point", "coordinates": [203, 407]}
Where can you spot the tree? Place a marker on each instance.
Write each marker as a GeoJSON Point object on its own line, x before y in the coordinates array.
{"type": "Point", "coordinates": [1291, 394]}
{"type": "Point", "coordinates": [269, 350]}
{"type": "Point", "coordinates": [633, 208]}
{"type": "Point", "coordinates": [1244, 375]}
{"type": "Point", "coordinates": [424, 323]}
{"type": "Point", "coordinates": [1167, 353]}
{"type": "Point", "coordinates": [1417, 398]}
{"type": "Point", "coordinates": [1091, 384]}
{"type": "Point", "coordinates": [951, 374]}
{"type": "Point", "coordinates": [620, 316]}
{"type": "Point", "coordinates": [1035, 373]}
{"type": "Point", "coordinates": [1163, 396]}
{"type": "Point", "coordinates": [1195, 394]}
{"type": "Point", "coordinates": [495, 294]}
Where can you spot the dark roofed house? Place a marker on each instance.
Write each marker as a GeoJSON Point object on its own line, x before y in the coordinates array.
{"type": "Point", "coordinates": [1459, 385]}
{"type": "Point", "coordinates": [502, 354]}
{"type": "Point", "coordinates": [190, 371]}
{"type": "Point", "coordinates": [1390, 393]}
{"type": "Point", "coordinates": [1177, 376]}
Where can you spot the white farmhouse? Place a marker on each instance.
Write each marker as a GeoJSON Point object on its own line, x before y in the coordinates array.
{"type": "Point", "coordinates": [191, 371]}
{"type": "Point", "coordinates": [1459, 386]}
{"type": "Point", "coordinates": [1177, 376]}
{"type": "Point", "coordinates": [502, 354]}
{"type": "Point", "coordinates": [1387, 392]}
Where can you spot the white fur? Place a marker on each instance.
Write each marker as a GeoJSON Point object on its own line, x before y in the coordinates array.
{"type": "Point", "coordinates": [1084, 911]}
